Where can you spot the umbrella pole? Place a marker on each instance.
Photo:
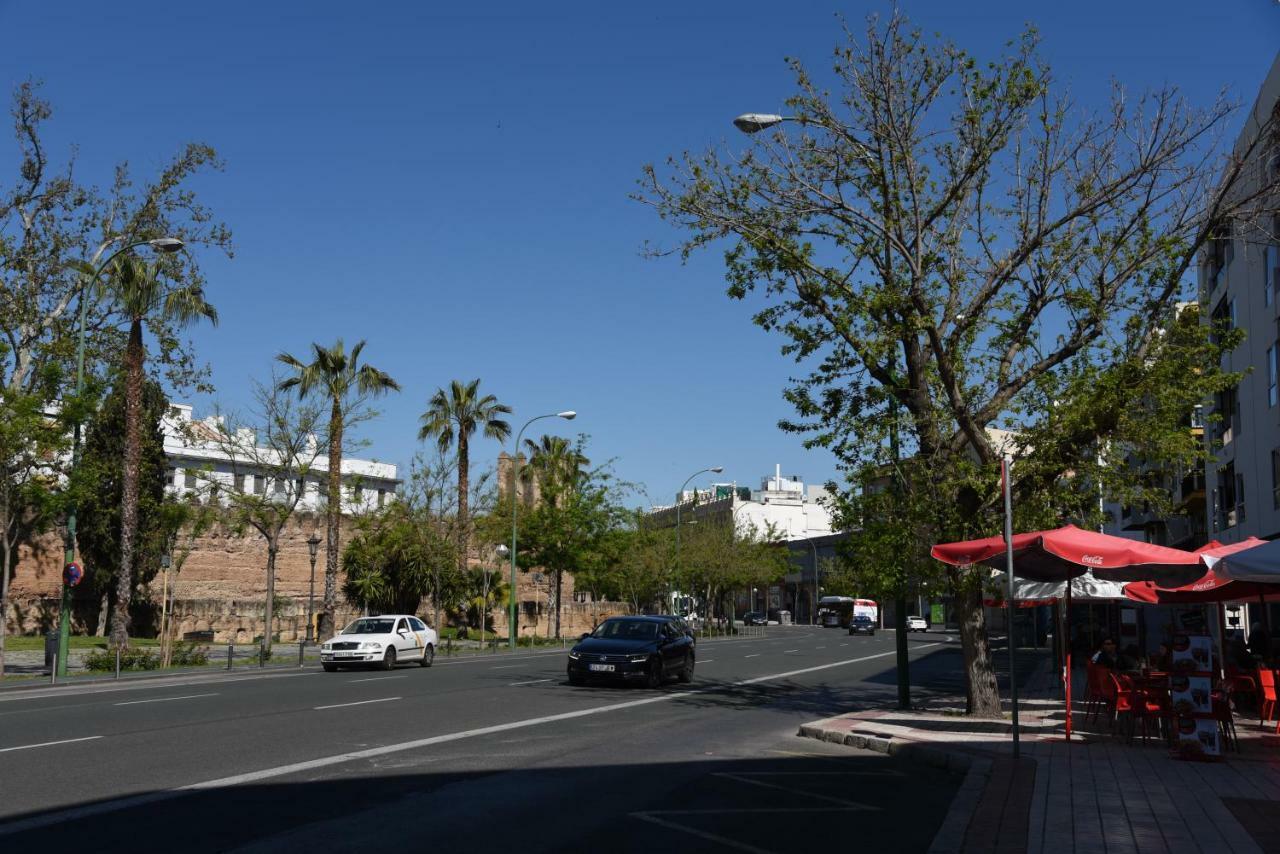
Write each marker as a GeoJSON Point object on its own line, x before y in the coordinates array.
{"type": "Point", "coordinates": [1222, 641]}
{"type": "Point", "coordinates": [1066, 637]}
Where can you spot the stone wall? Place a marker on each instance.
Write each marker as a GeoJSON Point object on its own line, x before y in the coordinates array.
{"type": "Point", "coordinates": [222, 586]}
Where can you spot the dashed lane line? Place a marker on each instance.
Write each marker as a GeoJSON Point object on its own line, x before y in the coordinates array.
{"type": "Point", "coordinates": [530, 682]}
{"type": "Point", "coordinates": [357, 703]}
{"type": "Point", "coordinates": [164, 699]}
{"type": "Point", "coordinates": [49, 743]}
{"type": "Point", "coordinates": [103, 807]}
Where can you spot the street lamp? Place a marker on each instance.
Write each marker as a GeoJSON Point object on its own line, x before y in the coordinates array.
{"type": "Point", "coordinates": [159, 244]}
{"type": "Point", "coordinates": [756, 122]}
{"type": "Point", "coordinates": [313, 546]}
{"type": "Point", "coordinates": [502, 552]}
{"type": "Point", "coordinates": [567, 415]}
{"type": "Point", "coordinates": [679, 501]}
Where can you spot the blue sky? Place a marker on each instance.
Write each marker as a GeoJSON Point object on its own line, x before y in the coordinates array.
{"type": "Point", "coordinates": [452, 186]}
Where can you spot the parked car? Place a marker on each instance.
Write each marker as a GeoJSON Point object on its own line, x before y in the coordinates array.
{"type": "Point", "coordinates": [917, 624]}
{"type": "Point", "coordinates": [861, 623]}
{"type": "Point", "coordinates": [381, 641]}
{"type": "Point", "coordinates": [647, 649]}
{"type": "Point", "coordinates": [753, 618]}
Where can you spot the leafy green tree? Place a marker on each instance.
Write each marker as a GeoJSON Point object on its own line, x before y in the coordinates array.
{"type": "Point", "coordinates": [336, 376]}
{"type": "Point", "coordinates": [98, 488]}
{"type": "Point", "coordinates": [278, 445]}
{"type": "Point", "coordinates": [139, 291]}
{"type": "Point", "coordinates": [456, 415]}
{"type": "Point", "coordinates": [391, 563]}
{"type": "Point", "coordinates": [954, 247]}
{"type": "Point", "coordinates": [51, 222]}
{"type": "Point", "coordinates": [29, 439]}
{"type": "Point", "coordinates": [575, 505]}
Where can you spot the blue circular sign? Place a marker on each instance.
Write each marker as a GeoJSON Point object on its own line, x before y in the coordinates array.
{"type": "Point", "coordinates": [72, 574]}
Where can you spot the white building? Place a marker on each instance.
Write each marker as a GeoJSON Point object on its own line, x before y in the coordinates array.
{"type": "Point", "coordinates": [197, 458]}
{"type": "Point", "coordinates": [783, 505]}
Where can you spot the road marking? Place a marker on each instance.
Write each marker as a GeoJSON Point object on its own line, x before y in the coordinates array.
{"type": "Point", "coordinates": [785, 651]}
{"type": "Point", "coordinates": [844, 644]}
{"type": "Point", "coordinates": [378, 678]}
{"type": "Point", "coordinates": [706, 661]}
{"type": "Point", "coordinates": [506, 667]}
{"type": "Point", "coordinates": [103, 807]}
{"type": "Point", "coordinates": [853, 805]}
{"type": "Point", "coordinates": [359, 703]}
{"type": "Point", "coordinates": [820, 647]}
{"type": "Point", "coordinates": [752, 655]}
{"type": "Point", "coordinates": [701, 834]}
{"type": "Point", "coordinates": [163, 699]}
{"type": "Point", "coordinates": [530, 682]}
{"type": "Point", "coordinates": [49, 743]}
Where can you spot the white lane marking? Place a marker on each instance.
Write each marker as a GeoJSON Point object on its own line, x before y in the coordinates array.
{"type": "Point", "coordinates": [854, 805]}
{"type": "Point", "coordinates": [785, 651]}
{"type": "Point", "coordinates": [844, 644]}
{"type": "Point", "coordinates": [752, 655]}
{"type": "Point", "coordinates": [530, 682]}
{"type": "Point", "coordinates": [163, 699]}
{"type": "Point", "coordinates": [359, 703]}
{"type": "Point", "coordinates": [378, 678]}
{"type": "Point", "coordinates": [706, 661]}
{"type": "Point", "coordinates": [506, 667]}
{"type": "Point", "coordinates": [49, 743]}
{"type": "Point", "coordinates": [104, 807]}
{"type": "Point", "coordinates": [701, 834]}
{"type": "Point", "coordinates": [73, 690]}
{"type": "Point", "coordinates": [820, 647]}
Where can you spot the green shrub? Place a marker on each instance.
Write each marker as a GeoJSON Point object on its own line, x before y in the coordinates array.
{"type": "Point", "coordinates": [132, 658]}
{"type": "Point", "coordinates": [189, 655]}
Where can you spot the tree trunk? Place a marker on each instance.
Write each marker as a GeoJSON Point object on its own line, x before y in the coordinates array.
{"type": "Point", "coordinates": [983, 698]}
{"type": "Point", "coordinates": [272, 547]}
{"type": "Point", "coordinates": [4, 593]}
{"type": "Point", "coordinates": [133, 357]}
{"type": "Point", "coordinates": [103, 613]}
{"type": "Point", "coordinates": [464, 484]}
{"type": "Point", "coordinates": [559, 590]}
{"type": "Point", "coordinates": [333, 519]}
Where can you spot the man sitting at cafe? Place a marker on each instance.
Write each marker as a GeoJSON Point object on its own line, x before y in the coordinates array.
{"type": "Point", "coordinates": [1106, 654]}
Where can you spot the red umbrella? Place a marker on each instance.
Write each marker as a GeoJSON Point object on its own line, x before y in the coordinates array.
{"type": "Point", "coordinates": [1065, 553]}
{"type": "Point", "coordinates": [1068, 552]}
{"type": "Point", "coordinates": [1210, 587]}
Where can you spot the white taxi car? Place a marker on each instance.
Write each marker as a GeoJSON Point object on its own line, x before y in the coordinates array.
{"type": "Point", "coordinates": [380, 641]}
{"type": "Point", "coordinates": [917, 624]}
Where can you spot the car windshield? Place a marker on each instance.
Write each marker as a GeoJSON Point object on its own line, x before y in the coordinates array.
{"type": "Point", "coordinates": [369, 627]}
{"type": "Point", "coordinates": [626, 630]}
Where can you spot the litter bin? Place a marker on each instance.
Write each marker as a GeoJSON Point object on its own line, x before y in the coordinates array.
{"type": "Point", "coordinates": [50, 647]}
{"type": "Point", "coordinates": [784, 618]}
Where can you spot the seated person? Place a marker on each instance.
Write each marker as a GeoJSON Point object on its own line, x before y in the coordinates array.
{"type": "Point", "coordinates": [1129, 658]}
{"type": "Point", "coordinates": [1106, 654]}
{"type": "Point", "coordinates": [1163, 659]}
{"type": "Point", "coordinates": [1238, 654]}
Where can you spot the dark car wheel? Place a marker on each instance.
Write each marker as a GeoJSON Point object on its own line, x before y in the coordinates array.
{"type": "Point", "coordinates": [575, 679]}
{"type": "Point", "coordinates": [686, 672]}
{"type": "Point", "coordinates": [653, 676]}
{"type": "Point", "coordinates": [389, 660]}
{"type": "Point", "coordinates": [428, 656]}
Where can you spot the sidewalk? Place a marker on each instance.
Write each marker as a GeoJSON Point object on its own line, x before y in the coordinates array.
{"type": "Point", "coordinates": [1097, 794]}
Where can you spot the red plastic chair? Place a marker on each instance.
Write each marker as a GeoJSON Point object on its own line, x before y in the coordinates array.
{"type": "Point", "coordinates": [1266, 705]}
{"type": "Point", "coordinates": [1102, 694]}
{"type": "Point", "coordinates": [1136, 705]}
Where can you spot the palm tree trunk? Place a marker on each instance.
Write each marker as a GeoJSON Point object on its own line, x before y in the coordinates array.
{"type": "Point", "coordinates": [558, 591]}
{"type": "Point", "coordinates": [333, 519]}
{"type": "Point", "coordinates": [464, 484]}
{"type": "Point", "coordinates": [133, 358]}
{"type": "Point", "coordinates": [4, 585]}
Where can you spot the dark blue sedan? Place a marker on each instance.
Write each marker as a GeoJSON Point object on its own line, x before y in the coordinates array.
{"type": "Point", "coordinates": [640, 649]}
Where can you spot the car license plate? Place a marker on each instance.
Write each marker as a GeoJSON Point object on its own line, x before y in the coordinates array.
{"type": "Point", "coordinates": [344, 655]}
{"type": "Point", "coordinates": [601, 668]}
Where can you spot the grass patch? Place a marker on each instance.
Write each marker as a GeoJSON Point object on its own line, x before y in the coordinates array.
{"type": "Point", "coordinates": [35, 643]}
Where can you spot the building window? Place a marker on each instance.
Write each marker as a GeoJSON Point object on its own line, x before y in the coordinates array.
{"type": "Point", "coordinates": [189, 478]}
{"type": "Point", "coordinates": [171, 476]}
{"type": "Point", "coordinates": [1230, 497]}
{"type": "Point", "coordinates": [1227, 409]}
{"type": "Point", "coordinates": [1275, 478]}
{"type": "Point", "coordinates": [359, 494]}
{"type": "Point", "coordinates": [1271, 375]}
{"type": "Point", "coordinates": [259, 485]}
{"type": "Point", "coordinates": [237, 482]}
{"type": "Point", "coordinates": [1271, 275]}
{"type": "Point", "coordinates": [382, 497]}
{"type": "Point", "coordinates": [281, 486]}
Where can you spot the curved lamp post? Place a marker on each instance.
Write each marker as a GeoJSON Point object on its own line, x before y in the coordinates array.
{"type": "Point", "coordinates": [159, 244]}
{"type": "Point", "coordinates": [313, 546]}
{"type": "Point", "coordinates": [567, 415]}
{"type": "Point", "coordinates": [679, 497]}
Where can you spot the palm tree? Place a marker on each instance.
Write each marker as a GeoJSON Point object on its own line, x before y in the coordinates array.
{"type": "Point", "coordinates": [337, 375]}
{"type": "Point", "coordinates": [457, 414]}
{"type": "Point", "coordinates": [557, 467]}
{"type": "Point", "coordinates": [138, 292]}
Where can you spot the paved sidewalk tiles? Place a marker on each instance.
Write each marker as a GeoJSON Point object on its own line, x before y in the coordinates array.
{"type": "Point", "coordinates": [1100, 793]}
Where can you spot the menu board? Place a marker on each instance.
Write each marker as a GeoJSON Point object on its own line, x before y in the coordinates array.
{"type": "Point", "coordinates": [1190, 687]}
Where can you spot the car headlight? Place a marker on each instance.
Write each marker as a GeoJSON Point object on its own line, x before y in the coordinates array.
{"type": "Point", "coordinates": [371, 645]}
{"type": "Point", "coordinates": [574, 654]}
{"type": "Point", "coordinates": [326, 648]}
{"type": "Point", "coordinates": [636, 659]}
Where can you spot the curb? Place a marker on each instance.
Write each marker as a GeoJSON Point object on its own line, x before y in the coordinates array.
{"type": "Point", "coordinates": [953, 761]}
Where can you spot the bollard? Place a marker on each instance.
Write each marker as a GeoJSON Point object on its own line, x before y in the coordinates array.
{"type": "Point", "coordinates": [448, 646]}
{"type": "Point", "coordinates": [117, 662]}
{"type": "Point", "coordinates": [53, 672]}
{"type": "Point", "coordinates": [302, 645]}
{"type": "Point", "coordinates": [262, 656]}
{"type": "Point", "coordinates": [230, 651]}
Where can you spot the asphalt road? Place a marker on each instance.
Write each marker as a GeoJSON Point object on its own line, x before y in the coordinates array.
{"type": "Point", "coordinates": [478, 753]}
